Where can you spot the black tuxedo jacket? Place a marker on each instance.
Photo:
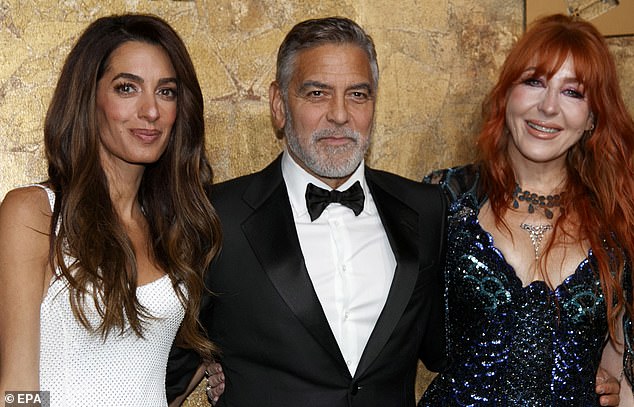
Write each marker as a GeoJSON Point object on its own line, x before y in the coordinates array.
{"type": "Point", "coordinates": [277, 347]}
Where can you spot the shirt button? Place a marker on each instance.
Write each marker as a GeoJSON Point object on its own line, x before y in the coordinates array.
{"type": "Point", "coordinates": [346, 315]}
{"type": "Point", "coordinates": [344, 268]}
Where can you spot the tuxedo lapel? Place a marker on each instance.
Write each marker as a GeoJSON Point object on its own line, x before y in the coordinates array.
{"type": "Point", "coordinates": [272, 235]}
{"type": "Point", "coordinates": [401, 226]}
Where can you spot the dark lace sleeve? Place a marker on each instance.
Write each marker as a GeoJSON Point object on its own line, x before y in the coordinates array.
{"type": "Point", "coordinates": [628, 352]}
{"type": "Point", "coordinates": [457, 182]}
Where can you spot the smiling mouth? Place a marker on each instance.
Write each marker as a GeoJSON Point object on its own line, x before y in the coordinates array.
{"type": "Point", "coordinates": [543, 129]}
{"type": "Point", "coordinates": [147, 136]}
{"type": "Point", "coordinates": [146, 132]}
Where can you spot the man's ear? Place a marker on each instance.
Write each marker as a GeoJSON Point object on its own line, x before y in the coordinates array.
{"type": "Point", "coordinates": [278, 110]}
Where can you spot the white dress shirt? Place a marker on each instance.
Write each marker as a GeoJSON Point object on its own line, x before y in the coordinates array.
{"type": "Point", "coordinates": [349, 259]}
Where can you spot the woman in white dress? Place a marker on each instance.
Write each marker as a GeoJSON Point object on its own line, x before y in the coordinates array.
{"type": "Point", "coordinates": [101, 265]}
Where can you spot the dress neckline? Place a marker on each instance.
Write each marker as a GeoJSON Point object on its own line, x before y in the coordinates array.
{"type": "Point", "coordinates": [155, 281]}
{"type": "Point", "coordinates": [510, 270]}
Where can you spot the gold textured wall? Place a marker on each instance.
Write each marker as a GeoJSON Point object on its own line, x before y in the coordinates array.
{"type": "Point", "coordinates": [437, 60]}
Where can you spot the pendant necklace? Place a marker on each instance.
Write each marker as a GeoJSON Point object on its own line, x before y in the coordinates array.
{"type": "Point", "coordinates": [545, 203]}
{"type": "Point", "coordinates": [536, 232]}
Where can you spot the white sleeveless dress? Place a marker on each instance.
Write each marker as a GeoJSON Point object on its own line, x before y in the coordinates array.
{"type": "Point", "coordinates": [80, 368]}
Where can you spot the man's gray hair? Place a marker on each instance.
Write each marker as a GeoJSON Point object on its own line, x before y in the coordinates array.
{"type": "Point", "coordinates": [321, 31]}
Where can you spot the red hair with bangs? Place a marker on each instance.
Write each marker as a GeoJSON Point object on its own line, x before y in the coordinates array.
{"type": "Point", "coordinates": [600, 183]}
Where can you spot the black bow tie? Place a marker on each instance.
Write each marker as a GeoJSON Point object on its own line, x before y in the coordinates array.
{"type": "Point", "coordinates": [317, 199]}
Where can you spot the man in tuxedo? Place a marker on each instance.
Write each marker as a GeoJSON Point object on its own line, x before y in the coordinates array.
{"type": "Point", "coordinates": [328, 288]}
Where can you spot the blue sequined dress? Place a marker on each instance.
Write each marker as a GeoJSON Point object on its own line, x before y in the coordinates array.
{"type": "Point", "coordinates": [511, 345]}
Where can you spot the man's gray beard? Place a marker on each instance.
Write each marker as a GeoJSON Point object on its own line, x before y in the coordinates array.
{"type": "Point", "coordinates": [328, 161]}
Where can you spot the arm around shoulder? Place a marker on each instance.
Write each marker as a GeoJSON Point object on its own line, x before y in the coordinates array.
{"type": "Point", "coordinates": [24, 273]}
{"type": "Point", "coordinates": [433, 344]}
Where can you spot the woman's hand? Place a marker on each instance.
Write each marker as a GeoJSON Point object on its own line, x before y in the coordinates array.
{"type": "Point", "coordinates": [608, 387]}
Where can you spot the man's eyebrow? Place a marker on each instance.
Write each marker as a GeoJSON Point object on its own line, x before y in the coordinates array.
{"type": "Point", "coordinates": [362, 85]}
{"type": "Point", "coordinates": [314, 84]}
{"type": "Point", "coordinates": [320, 85]}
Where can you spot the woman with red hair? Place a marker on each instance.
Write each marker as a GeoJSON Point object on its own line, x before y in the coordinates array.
{"type": "Point", "coordinates": [540, 232]}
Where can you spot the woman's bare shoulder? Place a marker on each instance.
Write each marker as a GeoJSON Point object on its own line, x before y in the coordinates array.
{"type": "Point", "coordinates": [27, 206]}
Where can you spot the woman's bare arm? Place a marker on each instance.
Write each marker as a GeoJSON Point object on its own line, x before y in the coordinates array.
{"type": "Point", "coordinates": [24, 274]}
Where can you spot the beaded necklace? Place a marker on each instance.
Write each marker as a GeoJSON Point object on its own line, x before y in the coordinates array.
{"type": "Point", "coordinates": [544, 202]}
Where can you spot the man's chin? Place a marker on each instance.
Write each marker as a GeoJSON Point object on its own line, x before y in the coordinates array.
{"type": "Point", "coordinates": [337, 172]}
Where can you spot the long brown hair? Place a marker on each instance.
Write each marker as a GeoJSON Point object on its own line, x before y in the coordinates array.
{"type": "Point", "coordinates": [600, 182]}
{"type": "Point", "coordinates": [184, 228]}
